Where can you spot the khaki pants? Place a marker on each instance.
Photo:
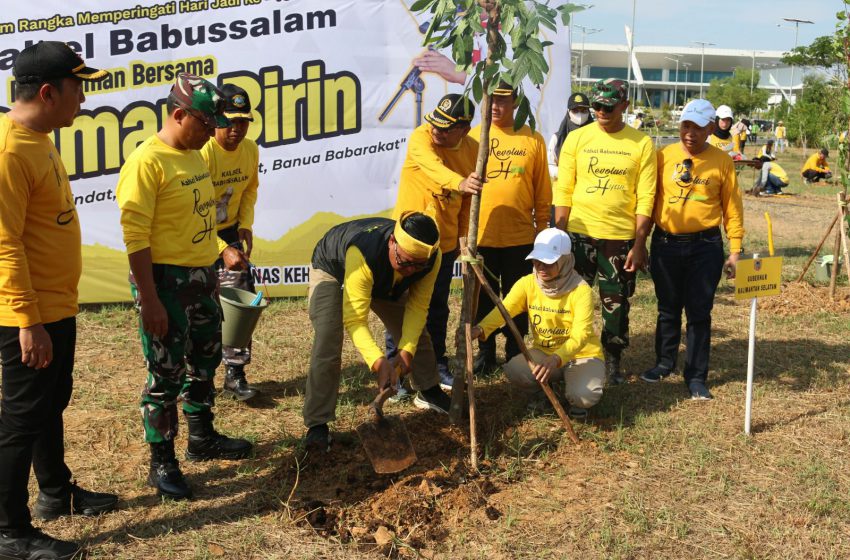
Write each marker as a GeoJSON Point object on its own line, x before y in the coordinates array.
{"type": "Point", "coordinates": [325, 308]}
{"type": "Point", "coordinates": [583, 379]}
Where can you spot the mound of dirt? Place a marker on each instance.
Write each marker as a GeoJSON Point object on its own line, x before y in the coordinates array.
{"type": "Point", "coordinates": [800, 298]}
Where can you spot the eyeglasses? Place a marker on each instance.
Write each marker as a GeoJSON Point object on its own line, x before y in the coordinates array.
{"type": "Point", "coordinates": [686, 176]}
{"type": "Point", "coordinates": [207, 120]}
{"type": "Point", "coordinates": [603, 108]}
{"type": "Point", "coordinates": [418, 265]}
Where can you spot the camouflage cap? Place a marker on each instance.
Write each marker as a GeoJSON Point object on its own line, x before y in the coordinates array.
{"type": "Point", "coordinates": [609, 92]}
{"type": "Point", "coordinates": [200, 98]}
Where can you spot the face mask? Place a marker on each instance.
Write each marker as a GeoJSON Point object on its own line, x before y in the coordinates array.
{"type": "Point", "coordinates": [579, 117]}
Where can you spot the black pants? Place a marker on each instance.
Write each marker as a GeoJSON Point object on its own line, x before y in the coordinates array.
{"type": "Point", "coordinates": [686, 274]}
{"type": "Point", "coordinates": [437, 322]}
{"type": "Point", "coordinates": [31, 430]}
{"type": "Point", "coordinates": [815, 176]}
{"type": "Point", "coordinates": [504, 266]}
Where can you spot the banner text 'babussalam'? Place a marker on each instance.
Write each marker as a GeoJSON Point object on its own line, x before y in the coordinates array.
{"type": "Point", "coordinates": [313, 106]}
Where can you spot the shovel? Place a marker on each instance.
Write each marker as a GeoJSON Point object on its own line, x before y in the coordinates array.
{"type": "Point", "coordinates": [385, 439]}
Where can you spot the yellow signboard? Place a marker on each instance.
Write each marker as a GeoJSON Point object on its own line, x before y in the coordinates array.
{"type": "Point", "coordinates": [758, 277]}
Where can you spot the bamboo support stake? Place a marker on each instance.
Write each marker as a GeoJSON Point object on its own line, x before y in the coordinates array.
{"type": "Point", "coordinates": [842, 209]}
{"type": "Point", "coordinates": [836, 248]}
{"type": "Point", "coordinates": [521, 343]}
{"type": "Point", "coordinates": [820, 245]}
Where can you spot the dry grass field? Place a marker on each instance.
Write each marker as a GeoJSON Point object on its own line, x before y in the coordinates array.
{"type": "Point", "coordinates": [656, 475]}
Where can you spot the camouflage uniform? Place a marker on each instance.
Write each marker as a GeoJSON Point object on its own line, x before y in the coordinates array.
{"type": "Point", "coordinates": [182, 364]}
{"type": "Point", "coordinates": [604, 259]}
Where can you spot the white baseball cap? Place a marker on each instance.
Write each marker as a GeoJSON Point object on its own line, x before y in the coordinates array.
{"type": "Point", "coordinates": [698, 111]}
{"type": "Point", "coordinates": [550, 245]}
{"type": "Point", "coordinates": [724, 112]}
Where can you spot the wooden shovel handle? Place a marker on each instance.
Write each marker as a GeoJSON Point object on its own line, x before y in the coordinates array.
{"type": "Point", "coordinates": [376, 407]}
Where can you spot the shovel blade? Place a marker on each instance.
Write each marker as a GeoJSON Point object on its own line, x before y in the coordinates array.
{"type": "Point", "coordinates": [387, 444]}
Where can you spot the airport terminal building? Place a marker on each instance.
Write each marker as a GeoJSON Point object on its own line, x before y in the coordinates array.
{"type": "Point", "coordinates": [671, 75]}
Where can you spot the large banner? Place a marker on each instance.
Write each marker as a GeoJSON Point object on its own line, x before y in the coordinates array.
{"type": "Point", "coordinates": [335, 97]}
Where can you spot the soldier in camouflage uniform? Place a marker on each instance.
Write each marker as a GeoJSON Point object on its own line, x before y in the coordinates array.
{"type": "Point", "coordinates": [173, 280]}
{"type": "Point", "coordinates": [604, 198]}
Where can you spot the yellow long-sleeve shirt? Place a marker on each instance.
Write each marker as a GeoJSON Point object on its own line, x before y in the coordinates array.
{"type": "Point", "coordinates": [235, 178]}
{"type": "Point", "coordinates": [606, 180]}
{"type": "Point", "coordinates": [516, 201]}
{"type": "Point", "coordinates": [562, 325]}
{"type": "Point", "coordinates": [711, 197]}
{"type": "Point", "coordinates": [357, 299]}
{"type": "Point", "coordinates": [812, 164]}
{"type": "Point", "coordinates": [780, 132]}
{"type": "Point", "coordinates": [168, 203]}
{"type": "Point", "coordinates": [40, 255]}
{"type": "Point", "coordinates": [430, 176]}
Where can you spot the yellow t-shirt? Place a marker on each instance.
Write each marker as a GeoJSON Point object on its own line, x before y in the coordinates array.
{"type": "Point", "coordinates": [40, 255]}
{"type": "Point", "coordinates": [606, 180]}
{"type": "Point", "coordinates": [562, 325]}
{"type": "Point", "coordinates": [780, 132]}
{"type": "Point", "coordinates": [779, 172]}
{"type": "Point", "coordinates": [235, 179]}
{"type": "Point", "coordinates": [711, 197]}
{"type": "Point", "coordinates": [168, 203]}
{"type": "Point", "coordinates": [430, 176]}
{"type": "Point", "coordinates": [812, 164]}
{"type": "Point", "coordinates": [516, 201]}
{"type": "Point", "coordinates": [357, 299]}
{"type": "Point", "coordinates": [729, 145]}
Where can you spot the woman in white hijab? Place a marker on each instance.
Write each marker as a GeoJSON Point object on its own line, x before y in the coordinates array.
{"type": "Point", "coordinates": [560, 312]}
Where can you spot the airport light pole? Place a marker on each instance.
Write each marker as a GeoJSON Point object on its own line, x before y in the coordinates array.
{"type": "Point", "coordinates": [796, 23]}
{"type": "Point", "coordinates": [584, 32]}
{"type": "Point", "coordinates": [572, 22]}
{"type": "Point", "coordinates": [702, 63]}
{"type": "Point", "coordinates": [676, 83]}
{"type": "Point", "coordinates": [686, 65]}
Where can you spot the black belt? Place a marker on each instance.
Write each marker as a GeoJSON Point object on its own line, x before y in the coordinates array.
{"type": "Point", "coordinates": [686, 237]}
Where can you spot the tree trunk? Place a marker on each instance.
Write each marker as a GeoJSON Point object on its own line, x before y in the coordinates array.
{"type": "Point", "coordinates": [467, 314]}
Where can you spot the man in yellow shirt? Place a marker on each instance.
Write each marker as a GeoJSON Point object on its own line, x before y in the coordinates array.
{"type": "Point", "coordinates": [603, 198]}
{"type": "Point", "coordinates": [388, 267]}
{"type": "Point", "coordinates": [697, 191]}
{"type": "Point", "coordinates": [781, 137]}
{"type": "Point", "coordinates": [233, 162]}
{"type": "Point", "coordinates": [168, 214]}
{"type": "Point", "coordinates": [40, 266]}
{"type": "Point", "coordinates": [439, 173]}
{"type": "Point", "coordinates": [816, 168]}
{"type": "Point", "coordinates": [515, 206]}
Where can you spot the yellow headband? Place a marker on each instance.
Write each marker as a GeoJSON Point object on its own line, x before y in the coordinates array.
{"type": "Point", "coordinates": [412, 246]}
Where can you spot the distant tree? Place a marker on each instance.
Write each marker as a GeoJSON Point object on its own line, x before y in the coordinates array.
{"type": "Point", "coordinates": [816, 117]}
{"type": "Point", "coordinates": [735, 92]}
{"type": "Point", "coordinates": [825, 52]}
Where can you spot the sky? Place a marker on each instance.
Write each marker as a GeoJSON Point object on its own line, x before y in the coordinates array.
{"type": "Point", "coordinates": [744, 24]}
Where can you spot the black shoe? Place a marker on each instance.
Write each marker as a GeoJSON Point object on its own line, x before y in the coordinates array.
{"type": "Point", "coordinates": [699, 392]}
{"type": "Point", "coordinates": [655, 374]}
{"type": "Point", "coordinates": [35, 545]}
{"type": "Point", "coordinates": [612, 369]}
{"type": "Point", "coordinates": [74, 500]}
{"type": "Point", "coordinates": [484, 365]}
{"type": "Point", "coordinates": [236, 385]}
{"type": "Point", "coordinates": [206, 443]}
{"type": "Point", "coordinates": [165, 473]}
{"type": "Point", "coordinates": [433, 399]}
{"type": "Point", "coordinates": [318, 438]}
{"type": "Point", "coordinates": [446, 378]}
